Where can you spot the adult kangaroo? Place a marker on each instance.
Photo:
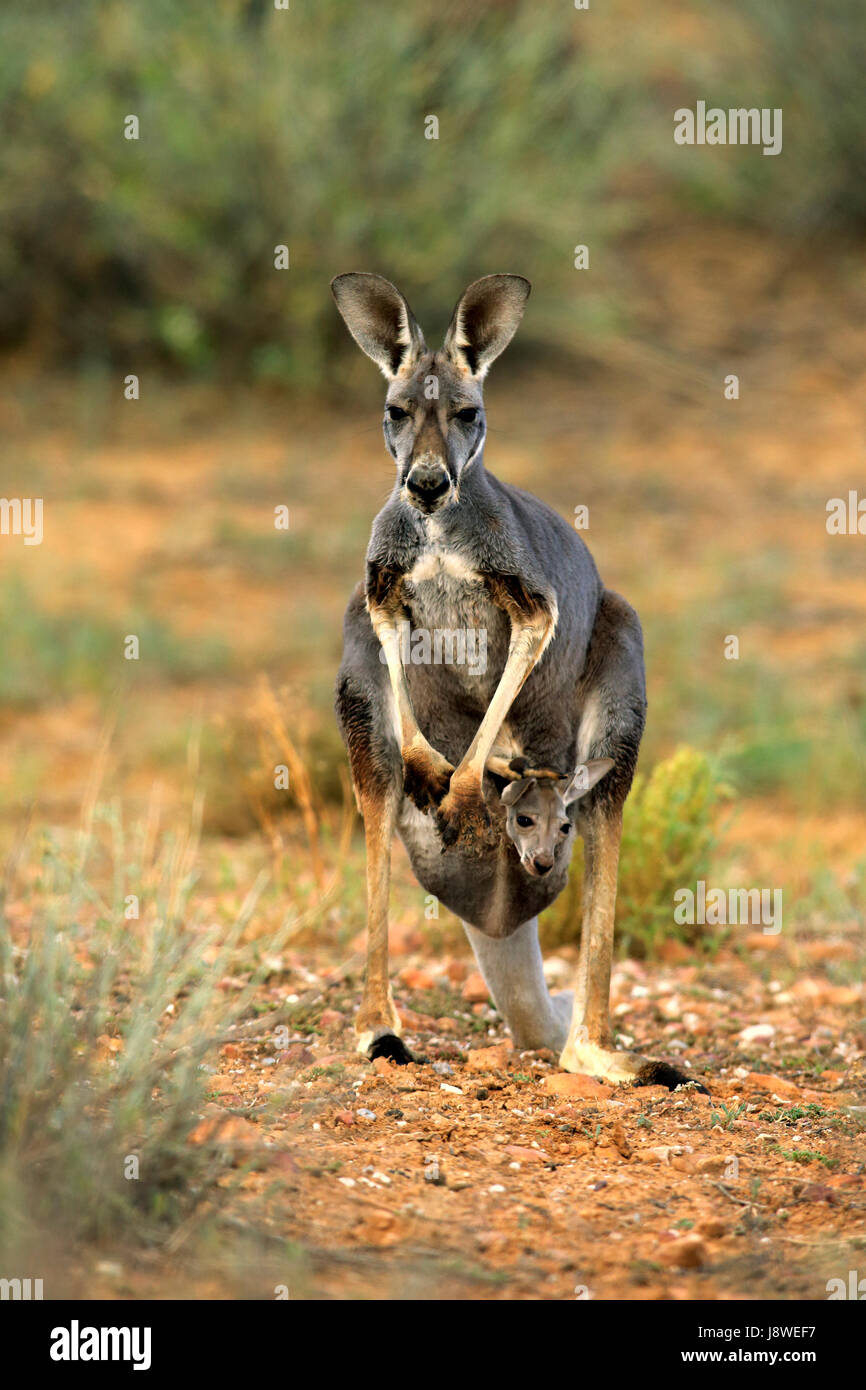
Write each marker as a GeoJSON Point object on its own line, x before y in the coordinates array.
{"type": "Point", "coordinates": [456, 554]}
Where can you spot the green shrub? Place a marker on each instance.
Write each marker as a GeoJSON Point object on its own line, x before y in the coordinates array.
{"type": "Point", "coordinates": [305, 127]}
{"type": "Point", "coordinates": [104, 1026]}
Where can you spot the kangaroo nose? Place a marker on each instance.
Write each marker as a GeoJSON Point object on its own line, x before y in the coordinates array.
{"type": "Point", "coordinates": [427, 482]}
{"type": "Point", "coordinates": [543, 863]}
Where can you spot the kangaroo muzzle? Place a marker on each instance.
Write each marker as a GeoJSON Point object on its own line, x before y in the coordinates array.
{"type": "Point", "coordinates": [427, 485]}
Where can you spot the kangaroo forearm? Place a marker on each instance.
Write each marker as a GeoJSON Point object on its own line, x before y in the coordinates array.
{"type": "Point", "coordinates": [528, 641]}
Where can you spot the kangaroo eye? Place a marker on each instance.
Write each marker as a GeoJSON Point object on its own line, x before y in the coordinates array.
{"type": "Point", "coordinates": [468, 416]}
{"type": "Point", "coordinates": [524, 822]}
{"type": "Point", "coordinates": [566, 826]}
{"type": "Point", "coordinates": [396, 412]}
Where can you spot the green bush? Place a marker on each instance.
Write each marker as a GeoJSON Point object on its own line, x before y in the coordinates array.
{"type": "Point", "coordinates": [305, 127]}
{"type": "Point", "coordinates": [105, 1024]}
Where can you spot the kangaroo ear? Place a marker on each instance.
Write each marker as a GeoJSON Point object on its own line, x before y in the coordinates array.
{"type": "Point", "coordinates": [515, 790]}
{"type": "Point", "coordinates": [485, 321]}
{"type": "Point", "coordinates": [380, 320]}
{"type": "Point", "coordinates": [584, 778]}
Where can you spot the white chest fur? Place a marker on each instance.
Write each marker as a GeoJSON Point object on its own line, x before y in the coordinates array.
{"type": "Point", "coordinates": [446, 591]}
{"type": "Point", "coordinates": [450, 603]}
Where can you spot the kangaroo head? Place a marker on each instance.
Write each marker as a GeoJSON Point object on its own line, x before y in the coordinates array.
{"type": "Point", "coordinates": [434, 409]}
{"type": "Point", "coordinates": [537, 819]}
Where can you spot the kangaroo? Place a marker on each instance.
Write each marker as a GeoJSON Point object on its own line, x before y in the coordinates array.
{"type": "Point", "coordinates": [439, 751]}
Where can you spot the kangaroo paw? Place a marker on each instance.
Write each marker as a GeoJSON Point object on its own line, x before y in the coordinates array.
{"type": "Point", "coordinates": [663, 1074]}
{"type": "Point", "coordinates": [426, 776]}
{"type": "Point", "coordinates": [463, 815]}
{"type": "Point", "coordinates": [627, 1067]}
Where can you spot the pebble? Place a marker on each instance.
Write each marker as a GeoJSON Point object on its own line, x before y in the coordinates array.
{"type": "Point", "coordinates": [757, 1032]}
{"type": "Point", "coordinates": [684, 1252]}
{"type": "Point", "coordinates": [475, 990]}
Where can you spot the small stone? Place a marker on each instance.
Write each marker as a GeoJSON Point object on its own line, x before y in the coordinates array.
{"type": "Point", "coordinates": [713, 1227]}
{"type": "Point", "coordinates": [493, 1058]}
{"type": "Point", "coordinates": [526, 1155]}
{"type": "Point", "coordinates": [757, 1033]}
{"type": "Point", "coordinates": [576, 1084]}
{"type": "Point", "coordinates": [475, 990]}
{"type": "Point", "coordinates": [712, 1165]}
{"type": "Point", "coordinates": [829, 950]}
{"type": "Point", "coordinates": [416, 979]}
{"type": "Point", "coordinates": [658, 1153]}
{"type": "Point", "coordinates": [684, 1252]}
{"type": "Point", "coordinates": [817, 1192]}
{"type": "Point", "coordinates": [762, 941]}
{"type": "Point", "coordinates": [776, 1085]}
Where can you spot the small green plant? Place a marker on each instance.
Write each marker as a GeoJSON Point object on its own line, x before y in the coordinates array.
{"type": "Point", "coordinates": [727, 1117]}
{"type": "Point", "coordinates": [806, 1156]}
{"type": "Point", "coordinates": [334, 1071]}
{"type": "Point", "coordinates": [792, 1115]}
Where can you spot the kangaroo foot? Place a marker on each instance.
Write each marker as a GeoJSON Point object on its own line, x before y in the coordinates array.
{"type": "Point", "coordinates": [426, 775]}
{"type": "Point", "coordinates": [623, 1067]}
{"type": "Point", "coordinates": [390, 1046]}
{"type": "Point", "coordinates": [383, 1041]}
{"type": "Point", "coordinates": [378, 1028]}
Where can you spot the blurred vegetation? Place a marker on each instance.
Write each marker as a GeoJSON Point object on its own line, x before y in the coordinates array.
{"type": "Point", "coordinates": [104, 1031]}
{"type": "Point", "coordinates": [50, 656]}
{"type": "Point", "coordinates": [305, 127]}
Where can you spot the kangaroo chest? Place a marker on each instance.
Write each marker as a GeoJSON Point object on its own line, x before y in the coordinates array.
{"type": "Point", "coordinates": [453, 623]}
